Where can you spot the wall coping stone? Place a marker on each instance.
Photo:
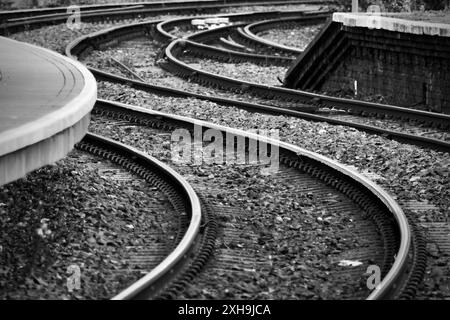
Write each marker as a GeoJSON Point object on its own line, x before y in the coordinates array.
{"type": "Point", "coordinates": [380, 21]}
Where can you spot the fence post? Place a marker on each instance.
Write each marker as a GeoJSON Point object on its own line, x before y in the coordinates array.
{"type": "Point", "coordinates": [355, 6]}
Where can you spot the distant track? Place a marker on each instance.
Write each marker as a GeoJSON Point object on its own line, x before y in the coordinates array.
{"type": "Point", "coordinates": [20, 20]}
{"type": "Point", "coordinates": [112, 36]}
{"type": "Point", "coordinates": [178, 48]}
{"type": "Point", "coordinates": [403, 257]}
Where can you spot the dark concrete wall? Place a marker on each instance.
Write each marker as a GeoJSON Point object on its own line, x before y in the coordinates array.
{"type": "Point", "coordinates": [402, 78]}
{"type": "Point", "coordinates": [408, 70]}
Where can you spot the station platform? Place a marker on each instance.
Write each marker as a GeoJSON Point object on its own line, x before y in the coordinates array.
{"type": "Point", "coordinates": [396, 57]}
{"type": "Point", "coordinates": [45, 104]}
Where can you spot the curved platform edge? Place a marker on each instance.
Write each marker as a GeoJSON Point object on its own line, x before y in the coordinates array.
{"type": "Point", "coordinates": [17, 164]}
{"type": "Point", "coordinates": [57, 121]}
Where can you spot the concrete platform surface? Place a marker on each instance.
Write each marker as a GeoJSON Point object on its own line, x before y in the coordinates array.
{"type": "Point", "coordinates": [392, 22]}
{"type": "Point", "coordinates": [45, 102]}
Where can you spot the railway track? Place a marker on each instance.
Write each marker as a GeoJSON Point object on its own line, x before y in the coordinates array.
{"type": "Point", "coordinates": [172, 229]}
{"type": "Point", "coordinates": [176, 49]}
{"type": "Point", "coordinates": [252, 29]}
{"type": "Point", "coordinates": [228, 255]}
{"type": "Point", "coordinates": [12, 15]}
{"type": "Point", "coordinates": [176, 253]}
{"type": "Point", "coordinates": [102, 40]}
{"type": "Point", "coordinates": [179, 48]}
{"type": "Point", "coordinates": [375, 232]}
{"type": "Point", "coordinates": [20, 20]}
{"type": "Point", "coordinates": [326, 181]}
{"type": "Point", "coordinates": [242, 37]}
{"type": "Point", "coordinates": [184, 26]}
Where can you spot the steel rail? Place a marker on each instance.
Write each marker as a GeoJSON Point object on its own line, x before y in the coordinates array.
{"type": "Point", "coordinates": [207, 51]}
{"type": "Point", "coordinates": [244, 39]}
{"type": "Point", "coordinates": [66, 15]}
{"type": "Point", "coordinates": [149, 9]}
{"type": "Point", "coordinates": [203, 38]}
{"type": "Point", "coordinates": [193, 205]}
{"type": "Point", "coordinates": [164, 27]}
{"type": "Point", "coordinates": [230, 44]}
{"type": "Point", "coordinates": [180, 46]}
{"type": "Point", "coordinates": [163, 34]}
{"type": "Point", "coordinates": [11, 14]}
{"type": "Point", "coordinates": [392, 275]}
{"type": "Point", "coordinates": [233, 50]}
{"type": "Point", "coordinates": [27, 13]}
{"type": "Point", "coordinates": [83, 44]}
{"type": "Point", "coordinates": [252, 29]}
{"type": "Point", "coordinates": [392, 280]}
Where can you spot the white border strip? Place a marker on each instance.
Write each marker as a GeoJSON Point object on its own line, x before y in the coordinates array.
{"type": "Point", "coordinates": [379, 21]}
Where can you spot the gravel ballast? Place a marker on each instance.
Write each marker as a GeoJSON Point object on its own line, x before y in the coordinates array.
{"type": "Point", "coordinates": [246, 71]}
{"type": "Point", "coordinates": [297, 37]}
{"type": "Point", "coordinates": [140, 55]}
{"type": "Point", "coordinates": [338, 142]}
{"type": "Point", "coordinates": [273, 7]}
{"type": "Point", "coordinates": [57, 37]}
{"type": "Point", "coordinates": [84, 212]}
{"type": "Point", "coordinates": [266, 219]}
{"type": "Point", "coordinates": [409, 173]}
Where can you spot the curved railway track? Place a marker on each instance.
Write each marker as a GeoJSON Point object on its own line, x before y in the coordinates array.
{"type": "Point", "coordinates": [20, 20]}
{"type": "Point", "coordinates": [164, 29]}
{"type": "Point", "coordinates": [301, 167]}
{"type": "Point", "coordinates": [176, 49]}
{"type": "Point", "coordinates": [252, 29]}
{"type": "Point", "coordinates": [180, 229]}
{"type": "Point", "coordinates": [398, 236]}
{"type": "Point", "coordinates": [190, 46]}
{"type": "Point", "coordinates": [84, 45]}
{"type": "Point", "coordinates": [28, 13]}
{"type": "Point", "coordinates": [187, 210]}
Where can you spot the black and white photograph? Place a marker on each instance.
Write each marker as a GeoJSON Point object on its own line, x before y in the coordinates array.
{"type": "Point", "coordinates": [231, 156]}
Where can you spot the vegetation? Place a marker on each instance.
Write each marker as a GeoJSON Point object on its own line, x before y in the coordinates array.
{"type": "Point", "coordinates": [386, 5]}
{"type": "Point", "coordinates": [399, 5]}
